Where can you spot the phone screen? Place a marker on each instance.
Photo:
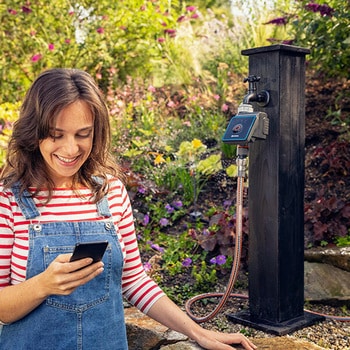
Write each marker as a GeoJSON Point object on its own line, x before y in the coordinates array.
{"type": "Point", "coordinates": [94, 250]}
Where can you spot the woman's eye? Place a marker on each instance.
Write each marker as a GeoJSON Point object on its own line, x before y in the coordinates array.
{"type": "Point", "coordinates": [55, 137]}
{"type": "Point", "coordinates": [85, 135]}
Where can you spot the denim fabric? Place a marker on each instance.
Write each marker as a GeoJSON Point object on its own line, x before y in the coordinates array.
{"type": "Point", "coordinates": [92, 317]}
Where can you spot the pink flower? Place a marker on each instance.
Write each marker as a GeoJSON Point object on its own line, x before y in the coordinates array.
{"type": "Point", "coordinates": [36, 57]}
{"type": "Point", "coordinates": [224, 107]}
{"type": "Point", "coordinates": [51, 47]}
{"type": "Point", "coordinates": [170, 32]}
{"type": "Point", "coordinates": [112, 70]}
{"type": "Point", "coordinates": [161, 40]}
{"type": "Point", "coordinates": [171, 104]}
{"type": "Point", "coordinates": [181, 19]}
{"type": "Point", "coordinates": [100, 30]}
{"type": "Point", "coordinates": [12, 12]}
{"type": "Point", "coordinates": [151, 88]}
{"type": "Point", "coordinates": [67, 41]}
{"type": "Point", "coordinates": [195, 15]}
{"type": "Point", "coordinates": [26, 9]}
{"type": "Point", "coordinates": [190, 8]}
{"type": "Point", "coordinates": [216, 97]}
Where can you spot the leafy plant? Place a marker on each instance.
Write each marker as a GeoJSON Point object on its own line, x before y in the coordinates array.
{"type": "Point", "coordinates": [8, 115]}
{"type": "Point", "coordinates": [343, 241]}
{"type": "Point", "coordinates": [327, 217]}
{"type": "Point", "coordinates": [323, 27]}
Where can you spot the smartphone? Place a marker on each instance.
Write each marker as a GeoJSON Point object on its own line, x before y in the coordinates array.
{"type": "Point", "coordinates": [94, 250]}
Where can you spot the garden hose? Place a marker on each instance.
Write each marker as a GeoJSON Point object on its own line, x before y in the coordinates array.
{"type": "Point", "coordinates": [242, 152]}
{"type": "Point", "coordinates": [241, 161]}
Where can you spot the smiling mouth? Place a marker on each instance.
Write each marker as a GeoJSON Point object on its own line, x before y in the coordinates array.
{"type": "Point", "coordinates": [66, 160]}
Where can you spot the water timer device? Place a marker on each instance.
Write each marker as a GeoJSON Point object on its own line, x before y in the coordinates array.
{"type": "Point", "coordinates": [246, 127]}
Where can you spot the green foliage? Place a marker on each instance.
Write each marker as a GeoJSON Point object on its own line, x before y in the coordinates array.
{"type": "Point", "coordinates": [343, 241]}
{"type": "Point", "coordinates": [8, 115]}
{"type": "Point", "coordinates": [325, 30]}
{"type": "Point", "coordinates": [323, 27]}
{"type": "Point", "coordinates": [327, 217]}
{"type": "Point", "coordinates": [103, 37]}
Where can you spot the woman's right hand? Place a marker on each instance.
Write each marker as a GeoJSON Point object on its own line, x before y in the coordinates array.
{"type": "Point", "coordinates": [62, 277]}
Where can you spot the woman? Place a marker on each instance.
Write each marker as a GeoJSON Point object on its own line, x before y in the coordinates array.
{"type": "Point", "coordinates": [60, 187]}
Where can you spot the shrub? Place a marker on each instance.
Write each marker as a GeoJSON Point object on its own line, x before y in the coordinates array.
{"type": "Point", "coordinates": [323, 27]}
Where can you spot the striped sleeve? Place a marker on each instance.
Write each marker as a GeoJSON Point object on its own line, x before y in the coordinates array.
{"type": "Point", "coordinates": [137, 286]}
{"type": "Point", "coordinates": [6, 238]}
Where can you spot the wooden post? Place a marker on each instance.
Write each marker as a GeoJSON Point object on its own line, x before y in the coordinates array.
{"type": "Point", "coordinates": [276, 195]}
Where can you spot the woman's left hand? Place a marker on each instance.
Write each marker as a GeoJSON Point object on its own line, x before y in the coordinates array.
{"type": "Point", "coordinates": [222, 341]}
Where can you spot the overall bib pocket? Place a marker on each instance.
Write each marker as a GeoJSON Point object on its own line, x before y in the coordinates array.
{"type": "Point", "coordinates": [88, 295]}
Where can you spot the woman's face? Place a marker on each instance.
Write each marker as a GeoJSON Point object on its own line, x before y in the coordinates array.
{"type": "Point", "coordinates": [69, 143]}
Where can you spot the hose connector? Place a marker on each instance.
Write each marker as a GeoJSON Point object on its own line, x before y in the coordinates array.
{"type": "Point", "coordinates": [241, 160]}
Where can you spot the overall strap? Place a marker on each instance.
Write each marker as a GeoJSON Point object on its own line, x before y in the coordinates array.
{"type": "Point", "coordinates": [25, 202]}
{"type": "Point", "coordinates": [102, 205]}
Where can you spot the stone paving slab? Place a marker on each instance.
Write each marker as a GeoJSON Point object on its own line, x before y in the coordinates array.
{"type": "Point", "coordinates": [144, 334]}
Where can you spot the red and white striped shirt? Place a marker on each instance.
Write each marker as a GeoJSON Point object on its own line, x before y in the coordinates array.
{"type": "Point", "coordinates": [66, 205]}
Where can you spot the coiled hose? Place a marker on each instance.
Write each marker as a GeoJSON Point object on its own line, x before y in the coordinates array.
{"type": "Point", "coordinates": [241, 162]}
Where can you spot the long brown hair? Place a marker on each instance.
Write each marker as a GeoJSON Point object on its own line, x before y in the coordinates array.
{"type": "Point", "coordinates": [50, 93]}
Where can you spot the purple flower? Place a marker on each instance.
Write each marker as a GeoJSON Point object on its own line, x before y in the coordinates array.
{"type": "Point", "coordinates": [147, 267]}
{"type": "Point", "coordinates": [227, 203]}
{"type": "Point", "coordinates": [324, 9]}
{"type": "Point", "coordinates": [169, 208]}
{"type": "Point", "coordinates": [163, 222]}
{"type": "Point", "coordinates": [279, 21]}
{"type": "Point", "coordinates": [51, 47]}
{"type": "Point", "coordinates": [157, 247]}
{"type": "Point", "coordinates": [213, 261]}
{"type": "Point", "coordinates": [100, 30]}
{"type": "Point", "coordinates": [145, 220]}
{"type": "Point", "coordinates": [205, 232]}
{"type": "Point", "coordinates": [219, 260]}
{"type": "Point", "coordinates": [177, 204]}
{"type": "Point", "coordinates": [141, 190]}
{"type": "Point", "coordinates": [187, 262]}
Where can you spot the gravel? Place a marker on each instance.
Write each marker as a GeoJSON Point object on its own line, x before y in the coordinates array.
{"type": "Point", "coordinates": [328, 334]}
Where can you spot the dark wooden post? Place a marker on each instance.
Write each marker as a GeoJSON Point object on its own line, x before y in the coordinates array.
{"type": "Point", "coordinates": [276, 195]}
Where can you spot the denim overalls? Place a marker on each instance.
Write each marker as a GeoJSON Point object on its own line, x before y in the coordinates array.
{"type": "Point", "coordinates": [92, 317]}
